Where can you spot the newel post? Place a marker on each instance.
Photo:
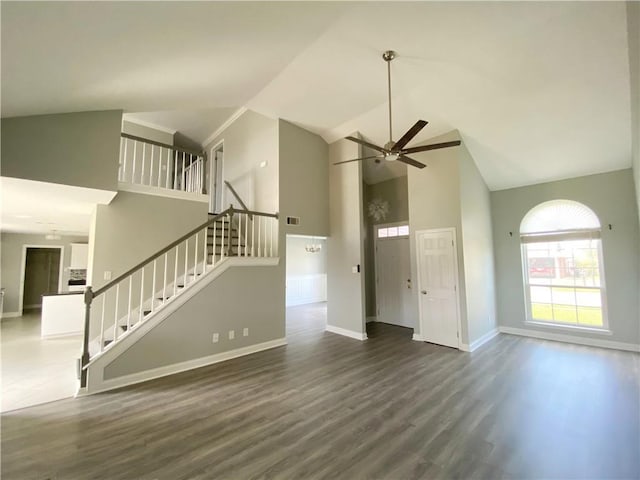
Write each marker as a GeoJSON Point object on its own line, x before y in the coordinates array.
{"type": "Point", "coordinates": [84, 361]}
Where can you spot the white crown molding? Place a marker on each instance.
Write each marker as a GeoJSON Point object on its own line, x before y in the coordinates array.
{"type": "Point", "coordinates": [560, 337]}
{"type": "Point", "coordinates": [346, 333]}
{"type": "Point", "coordinates": [153, 126]}
{"type": "Point", "coordinates": [227, 123]}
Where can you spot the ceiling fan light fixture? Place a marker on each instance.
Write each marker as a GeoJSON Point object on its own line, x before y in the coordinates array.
{"type": "Point", "coordinates": [393, 151]}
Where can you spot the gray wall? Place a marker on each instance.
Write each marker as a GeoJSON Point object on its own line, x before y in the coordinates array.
{"type": "Point", "coordinates": [633, 32]}
{"type": "Point", "coordinates": [80, 149]}
{"type": "Point", "coordinates": [11, 260]}
{"type": "Point", "coordinates": [611, 197]}
{"type": "Point", "coordinates": [187, 333]}
{"type": "Point", "coordinates": [393, 191]}
{"type": "Point", "coordinates": [147, 132]}
{"type": "Point", "coordinates": [477, 245]}
{"type": "Point", "coordinates": [133, 227]}
{"type": "Point", "coordinates": [345, 245]}
{"type": "Point", "coordinates": [304, 180]}
{"type": "Point", "coordinates": [434, 202]}
{"type": "Point", "coordinates": [250, 140]}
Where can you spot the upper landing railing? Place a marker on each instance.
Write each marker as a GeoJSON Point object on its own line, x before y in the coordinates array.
{"type": "Point", "coordinates": [154, 164]}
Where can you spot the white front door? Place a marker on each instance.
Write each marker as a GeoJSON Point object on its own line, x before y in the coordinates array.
{"type": "Point", "coordinates": [393, 285]}
{"type": "Point", "coordinates": [437, 286]}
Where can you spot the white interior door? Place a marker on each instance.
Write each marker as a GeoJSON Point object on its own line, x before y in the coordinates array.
{"type": "Point", "coordinates": [437, 286]}
{"type": "Point", "coordinates": [393, 285]}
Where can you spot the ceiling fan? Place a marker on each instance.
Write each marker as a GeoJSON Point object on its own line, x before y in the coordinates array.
{"type": "Point", "coordinates": [395, 150]}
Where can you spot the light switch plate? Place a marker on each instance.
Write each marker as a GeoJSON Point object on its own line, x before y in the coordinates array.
{"type": "Point", "coordinates": [107, 274]}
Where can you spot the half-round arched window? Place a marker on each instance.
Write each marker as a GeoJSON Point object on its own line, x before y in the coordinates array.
{"type": "Point", "coordinates": [562, 265]}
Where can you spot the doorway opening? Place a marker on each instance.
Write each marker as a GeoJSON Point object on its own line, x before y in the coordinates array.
{"type": "Point", "coordinates": [306, 284]}
{"type": "Point", "coordinates": [217, 178]}
{"type": "Point", "coordinates": [37, 368]}
{"type": "Point", "coordinates": [42, 275]}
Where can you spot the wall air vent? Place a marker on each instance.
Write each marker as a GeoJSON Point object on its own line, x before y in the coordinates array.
{"type": "Point", "coordinates": [293, 220]}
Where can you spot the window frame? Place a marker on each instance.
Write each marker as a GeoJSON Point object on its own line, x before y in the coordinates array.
{"type": "Point", "coordinates": [377, 227]}
{"type": "Point", "coordinates": [559, 236]}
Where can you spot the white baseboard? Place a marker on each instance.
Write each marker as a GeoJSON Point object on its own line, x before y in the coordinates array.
{"type": "Point", "coordinates": [561, 337]}
{"type": "Point", "coordinates": [61, 335]}
{"type": "Point", "coordinates": [346, 333]}
{"type": "Point", "coordinates": [479, 342]}
{"type": "Point", "coordinates": [147, 375]}
{"type": "Point", "coordinates": [10, 314]}
{"type": "Point", "coordinates": [372, 319]}
{"type": "Point", "coordinates": [417, 337]}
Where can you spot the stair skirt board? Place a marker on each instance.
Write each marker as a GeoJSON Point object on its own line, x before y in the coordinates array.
{"type": "Point", "coordinates": [159, 372]}
{"type": "Point", "coordinates": [101, 360]}
{"type": "Point", "coordinates": [135, 314]}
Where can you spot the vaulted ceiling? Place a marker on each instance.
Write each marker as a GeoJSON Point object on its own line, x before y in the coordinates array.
{"type": "Point", "coordinates": [538, 90]}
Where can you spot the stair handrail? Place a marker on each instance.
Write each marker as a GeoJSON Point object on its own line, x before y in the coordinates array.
{"type": "Point", "coordinates": [197, 153]}
{"type": "Point", "coordinates": [90, 295]}
{"type": "Point", "coordinates": [235, 194]}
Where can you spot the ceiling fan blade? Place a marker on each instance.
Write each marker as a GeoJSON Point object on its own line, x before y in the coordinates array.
{"type": "Point", "coordinates": [434, 146]}
{"type": "Point", "coordinates": [410, 161]}
{"type": "Point", "coordinates": [407, 137]}
{"type": "Point", "coordinates": [366, 144]}
{"type": "Point", "coordinates": [356, 160]}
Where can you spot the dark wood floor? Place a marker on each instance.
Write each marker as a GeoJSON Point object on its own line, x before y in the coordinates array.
{"type": "Point", "coordinates": [327, 406]}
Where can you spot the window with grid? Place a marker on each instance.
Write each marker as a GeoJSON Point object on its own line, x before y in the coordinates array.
{"type": "Point", "coordinates": [562, 265]}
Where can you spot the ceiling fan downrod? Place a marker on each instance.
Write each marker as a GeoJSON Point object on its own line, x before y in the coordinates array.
{"type": "Point", "coordinates": [387, 57]}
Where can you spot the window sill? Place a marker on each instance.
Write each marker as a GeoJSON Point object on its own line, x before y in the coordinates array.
{"type": "Point", "coordinates": [569, 328]}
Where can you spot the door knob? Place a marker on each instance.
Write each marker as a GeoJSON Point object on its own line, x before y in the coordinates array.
{"type": "Point", "coordinates": [424, 292]}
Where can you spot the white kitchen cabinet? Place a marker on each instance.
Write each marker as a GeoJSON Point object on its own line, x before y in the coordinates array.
{"type": "Point", "coordinates": [79, 256]}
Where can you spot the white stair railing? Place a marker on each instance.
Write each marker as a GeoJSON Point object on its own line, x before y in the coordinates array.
{"type": "Point", "coordinates": [119, 307]}
{"type": "Point", "coordinates": [154, 164]}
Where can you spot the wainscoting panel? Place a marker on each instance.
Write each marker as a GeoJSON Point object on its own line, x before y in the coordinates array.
{"type": "Point", "coordinates": [303, 289]}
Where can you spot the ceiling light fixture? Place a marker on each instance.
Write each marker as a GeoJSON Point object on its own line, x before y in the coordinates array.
{"type": "Point", "coordinates": [393, 151]}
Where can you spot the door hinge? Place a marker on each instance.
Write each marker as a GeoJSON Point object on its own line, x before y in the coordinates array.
{"type": "Point", "coordinates": [452, 243]}
{"type": "Point", "coordinates": [457, 334]}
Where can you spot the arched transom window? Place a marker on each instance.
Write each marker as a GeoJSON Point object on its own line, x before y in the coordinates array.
{"type": "Point", "coordinates": [562, 264]}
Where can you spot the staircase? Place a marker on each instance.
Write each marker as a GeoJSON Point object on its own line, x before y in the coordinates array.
{"type": "Point", "coordinates": [116, 310]}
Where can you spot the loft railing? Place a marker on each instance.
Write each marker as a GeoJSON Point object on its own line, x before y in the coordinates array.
{"type": "Point", "coordinates": [120, 306]}
{"type": "Point", "coordinates": [154, 164]}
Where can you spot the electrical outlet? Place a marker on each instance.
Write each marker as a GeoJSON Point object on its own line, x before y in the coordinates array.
{"type": "Point", "coordinates": [245, 332]}
{"type": "Point", "coordinates": [232, 334]}
{"type": "Point", "coordinates": [215, 338]}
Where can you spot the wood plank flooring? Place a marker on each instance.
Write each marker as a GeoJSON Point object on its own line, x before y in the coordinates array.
{"type": "Point", "coordinates": [327, 406]}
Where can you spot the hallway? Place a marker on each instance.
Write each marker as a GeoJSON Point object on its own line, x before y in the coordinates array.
{"type": "Point", "coordinates": [34, 370]}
